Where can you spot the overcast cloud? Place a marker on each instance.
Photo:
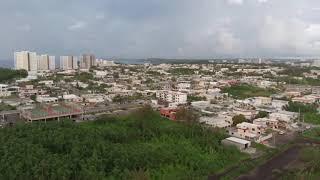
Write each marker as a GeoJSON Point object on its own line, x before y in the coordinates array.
{"type": "Point", "coordinates": [161, 28]}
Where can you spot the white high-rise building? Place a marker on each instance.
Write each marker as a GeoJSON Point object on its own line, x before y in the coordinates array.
{"type": "Point", "coordinates": [43, 62]}
{"type": "Point", "coordinates": [21, 60]}
{"type": "Point", "coordinates": [26, 60]}
{"type": "Point", "coordinates": [74, 62]}
{"type": "Point", "coordinates": [33, 61]}
{"type": "Point", "coordinates": [30, 61]}
{"type": "Point", "coordinates": [316, 63]}
{"type": "Point", "coordinates": [68, 62]}
{"type": "Point", "coordinates": [87, 61]}
{"type": "Point", "coordinates": [52, 62]}
{"type": "Point", "coordinates": [65, 64]}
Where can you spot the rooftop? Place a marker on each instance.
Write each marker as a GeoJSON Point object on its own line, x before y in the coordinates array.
{"type": "Point", "coordinates": [238, 140]}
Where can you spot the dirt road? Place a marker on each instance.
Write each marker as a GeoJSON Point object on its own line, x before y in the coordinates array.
{"type": "Point", "coordinates": [265, 171]}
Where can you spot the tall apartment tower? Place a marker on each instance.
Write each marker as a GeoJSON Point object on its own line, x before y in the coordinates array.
{"type": "Point", "coordinates": [87, 61]}
{"type": "Point", "coordinates": [26, 60]}
{"type": "Point", "coordinates": [68, 62]}
{"type": "Point", "coordinates": [52, 63]}
{"type": "Point", "coordinates": [33, 61]}
{"type": "Point", "coordinates": [21, 60]}
{"type": "Point", "coordinates": [43, 62]}
{"type": "Point", "coordinates": [316, 63]}
{"type": "Point", "coordinates": [75, 62]}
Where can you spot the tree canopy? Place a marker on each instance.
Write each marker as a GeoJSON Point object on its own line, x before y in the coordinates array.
{"type": "Point", "coordinates": [262, 114]}
{"type": "Point", "coordinates": [238, 119]}
{"type": "Point", "coordinates": [142, 145]}
{"type": "Point", "coordinates": [7, 75]}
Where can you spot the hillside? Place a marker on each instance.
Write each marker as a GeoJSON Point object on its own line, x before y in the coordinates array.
{"type": "Point", "coordinates": [141, 146]}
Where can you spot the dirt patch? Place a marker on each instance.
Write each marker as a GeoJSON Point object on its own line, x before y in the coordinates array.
{"type": "Point", "coordinates": [277, 163]}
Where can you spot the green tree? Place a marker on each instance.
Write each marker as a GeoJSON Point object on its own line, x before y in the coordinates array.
{"type": "Point", "coordinates": [238, 119]}
{"type": "Point", "coordinates": [8, 75]}
{"type": "Point", "coordinates": [262, 114]}
{"type": "Point", "coordinates": [187, 115]}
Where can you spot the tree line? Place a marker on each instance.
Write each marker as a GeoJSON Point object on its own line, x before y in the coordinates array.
{"type": "Point", "coordinates": [7, 75]}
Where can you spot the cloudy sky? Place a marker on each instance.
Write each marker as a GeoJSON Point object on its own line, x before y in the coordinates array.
{"type": "Point", "coordinates": [161, 28]}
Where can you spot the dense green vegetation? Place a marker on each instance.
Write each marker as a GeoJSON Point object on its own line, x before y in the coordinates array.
{"type": "Point", "coordinates": [238, 119]}
{"type": "Point", "coordinates": [97, 88]}
{"type": "Point", "coordinates": [127, 99]}
{"type": "Point", "coordinates": [313, 134]}
{"type": "Point", "coordinates": [313, 118]}
{"type": "Point", "coordinates": [141, 146]}
{"type": "Point", "coordinates": [295, 71]}
{"type": "Point", "coordinates": [262, 114]}
{"type": "Point", "coordinates": [191, 98]}
{"type": "Point", "coordinates": [7, 75]}
{"type": "Point", "coordinates": [245, 91]}
{"type": "Point", "coordinates": [309, 112]}
{"type": "Point", "coordinates": [181, 71]}
{"type": "Point", "coordinates": [84, 77]}
{"type": "Point", "coordinates": [300, 107]}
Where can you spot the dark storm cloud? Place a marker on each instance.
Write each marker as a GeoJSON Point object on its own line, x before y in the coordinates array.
{"type": "Point", "coordinates": [161, 28]}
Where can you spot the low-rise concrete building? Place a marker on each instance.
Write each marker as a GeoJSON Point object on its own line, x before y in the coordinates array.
{"type": "Point", "coordinates": [4, 90]}
{"type": "Point", "coordinates": [249, 131]}
{"type": "Point", "coordinates": [172, 96]}
{"type": "Point", "coordinates": [46, 99]}
{"type": "Point", "coordinates": [72, 98]}
{"type": "Point", "coordinates": [267, 123]}
{"type": "Point", "coordinates": [237, 142]}
{"type": "Point", "coordinates": [220, 121]}
{"type": "Point", "coordinates": [285, 118]}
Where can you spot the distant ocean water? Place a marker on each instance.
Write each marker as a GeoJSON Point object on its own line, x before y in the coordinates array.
{"type": "Point", "coordinates": [130, 61]}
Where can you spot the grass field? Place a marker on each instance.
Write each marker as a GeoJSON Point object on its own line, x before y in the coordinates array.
{"type": "Point", "coordinates": [312, 134]}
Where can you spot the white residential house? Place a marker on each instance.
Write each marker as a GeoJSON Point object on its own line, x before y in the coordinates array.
{"type": "Point", "coordinates": [279, 104]}
{"type": "Point", "coordinates": [267, 123]}
{"type": "Point", "coordinates": [266, 84]}
{"type": "Point", "coordinates": [249, 131]}
{"type": "Point", "coordinates": [184, 85]}
{"type": "Point", "coordinates": [293, 93]}
{"type": "Point", "coordinates": [308, 99]}
{"type": "Point", "coordinates": [4, 90]}
{"type": "Point", "coordinates": [172, 96]}
{"type": "Point", "coordinates": [72, 98]}
{"type": "Point", "coordinates": [46, 99]}
{"type": "Point", "coordinates": [100, 74]}
{"type": "Point", "coordinates": [285, 118]}
{"type": "Point", "coordinates": [48, 83]}
{"type": "Point", "coordinates": [262, 101]}
{"type": "Point", "coordinates": [248, 114]}
{"type": "Point", "coordinates": [94, 98]}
